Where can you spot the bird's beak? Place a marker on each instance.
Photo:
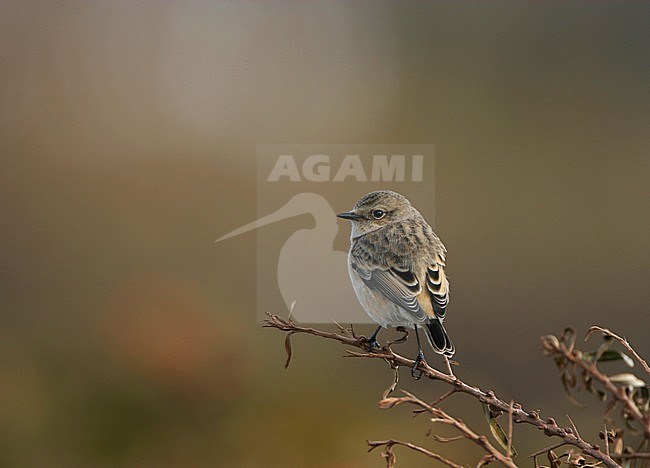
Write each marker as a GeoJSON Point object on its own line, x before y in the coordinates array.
{"type": "Point", "coordinates": [351, 215]}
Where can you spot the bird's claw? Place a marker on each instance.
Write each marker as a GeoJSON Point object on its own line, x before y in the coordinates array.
{"type": "Point", "coordinates": [415, 372]}
{"type": "Point", "coordinates": [373, 344]}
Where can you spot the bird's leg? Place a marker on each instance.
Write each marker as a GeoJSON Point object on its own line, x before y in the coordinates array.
{"type": "Point", "coordinates": [415, 372]}
{"type": "Point", "coordinates": [372, 341]}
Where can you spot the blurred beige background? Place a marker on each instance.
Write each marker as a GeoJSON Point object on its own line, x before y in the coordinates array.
{"type": "Point", "coordinates": [128, 134]}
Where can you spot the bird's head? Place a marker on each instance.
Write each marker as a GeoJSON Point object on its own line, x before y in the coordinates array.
{"type": "Point", "coordinates": [378, 209]}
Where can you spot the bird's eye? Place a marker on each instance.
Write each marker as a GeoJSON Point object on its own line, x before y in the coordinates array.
{"type": "Point", "coordinates": [378, 214]}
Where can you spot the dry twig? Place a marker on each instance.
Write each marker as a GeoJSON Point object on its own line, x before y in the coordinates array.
{"type": "Point", "coordinates": [510, 411]}
{"type": "Point", "coordinates": [440, 416]}
{"type": "Point", "coordinates": [390, 456]}
{"type": "Point", "coordinates": [623, 341]}
{"type": "Point", "coordinates": [519, 415]}
{"type": "Point", "coordinates": [556, 347]}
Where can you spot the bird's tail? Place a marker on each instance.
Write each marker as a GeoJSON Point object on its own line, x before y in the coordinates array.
{"type": "Point", "coordinates": [438, 338]}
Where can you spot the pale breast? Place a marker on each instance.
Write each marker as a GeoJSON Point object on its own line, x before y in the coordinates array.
{"type": "Point", "coordinates": [378, 308]}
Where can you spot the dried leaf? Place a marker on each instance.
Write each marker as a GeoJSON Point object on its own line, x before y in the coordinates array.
{"type": "Point", "coordinates": [550, 342]}
{"type": "Point", "coordinates": [291, 307]}
{"type": "Point", "coordinates": [618, 444]}
{"type": "Point", "coordinates": [627, 360]}
{"type": "Point", "coordinates": [390, 457]}
{"type": "Point", "coordinates": [553, 459]}
{"type": "Point", "coordinates": [579, 461]}
{"type": "Point", "coordinates": [627, 379]}
{"type": "Point", "coordinates": [287, 347]}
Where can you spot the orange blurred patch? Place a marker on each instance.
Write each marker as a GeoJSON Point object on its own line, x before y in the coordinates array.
{"type": "Point", "coordinates": [161, 326]}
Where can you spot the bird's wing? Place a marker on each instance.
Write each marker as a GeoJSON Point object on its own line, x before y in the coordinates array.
{"type": "Point", "coordinates": [438, 288]}
{"type": "Point", "coordinates": [398, 285]}
{"type": "Point", "coordinates": [386, 269]}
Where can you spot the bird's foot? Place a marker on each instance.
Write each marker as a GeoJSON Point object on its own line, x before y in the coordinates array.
{"type": "Point", "coordinates": [373, 344]}
{"type": "Point", "coordinates": [415, 372]}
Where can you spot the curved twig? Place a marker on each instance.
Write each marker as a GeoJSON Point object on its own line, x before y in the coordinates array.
{"type": "Point", "coordinates": [519, 415]}
{"type": "Point", "coordinates": [390, 457]}
{"type": "Point", "coordinates": [626, 344]}
{"type": "Point", "coordinates": [553, 346]}
{"type": "Point", "coordinates": [440, 416]}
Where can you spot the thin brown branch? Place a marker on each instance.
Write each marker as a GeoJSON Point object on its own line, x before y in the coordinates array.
{"type": "Point", "coordinates": [446, 440]}
{"type": "Point", "coordinates": [440, 416]}
{"type": "Point", "coordinates": [573, 425]}
{"type": "Point", "coordinates": [443, 397]}
{"type": "Point", "coordinates": [390, 458]}
{"type": "Point", "coordinates": [626, 344]}
{"type": "Point", "coordinates": [510, 411]}
{"type": "Point", "coordinates": [436, 402]}
{"type": "Point", "coordinates": [555, 347]}
{"type": "Point", "coordinates": [632, 456]}
{"type": "Point", "coordinates": [549, 427]}
{"type": "Point", "coordinates": [393, 385]}
{"type": "Point", "coordinates": [547, 449]}
{"type": "Point", "coordinates": [486, 460]}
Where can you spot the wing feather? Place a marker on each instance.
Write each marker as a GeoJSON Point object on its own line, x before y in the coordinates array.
{"type": "Point", "coordinates": [399, 286]}
{"type": "Point", "coordinates": [438, 287]}
{"type": "Point", "coordinates": [381, 262]}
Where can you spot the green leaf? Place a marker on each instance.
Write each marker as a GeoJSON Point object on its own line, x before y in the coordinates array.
{"type": "Point", "coordinates": [499, 435]}
{"type": "Point", "coordinates": [615, 355]}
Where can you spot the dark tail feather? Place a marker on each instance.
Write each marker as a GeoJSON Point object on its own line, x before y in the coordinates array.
{"type": "Point", "coordinates": [439, 339]}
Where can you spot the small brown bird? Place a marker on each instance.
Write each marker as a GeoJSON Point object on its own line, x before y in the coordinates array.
{"type": "Point", "coordinates": [396, 264]}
